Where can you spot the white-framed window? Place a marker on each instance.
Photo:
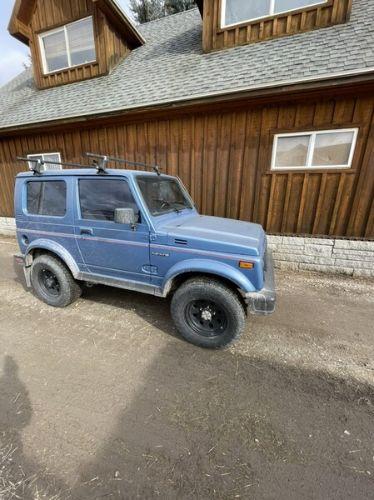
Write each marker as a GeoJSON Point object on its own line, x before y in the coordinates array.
{"type": "Point", "coordinates": [241, 11]}
{"type": "Point", "coordinates": [68, 46]}
{"type": "Point", "coordinates": [54, 157]}
{"type": "Point", "coordinates": [314, 150]}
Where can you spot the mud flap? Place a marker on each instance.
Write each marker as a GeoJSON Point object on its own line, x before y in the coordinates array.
{"type": "Point", "coordinates": [22, 272]}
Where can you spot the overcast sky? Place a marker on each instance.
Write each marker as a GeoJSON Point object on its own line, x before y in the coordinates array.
{"type": "Point", "coordinates": [12, 52]}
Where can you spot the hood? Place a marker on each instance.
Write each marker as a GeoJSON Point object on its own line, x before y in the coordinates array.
{"type": "Point", "coordinates": [217, 233]}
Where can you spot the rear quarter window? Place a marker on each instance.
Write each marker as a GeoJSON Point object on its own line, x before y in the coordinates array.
{"type": "Point", "coordinates": [46, 198]}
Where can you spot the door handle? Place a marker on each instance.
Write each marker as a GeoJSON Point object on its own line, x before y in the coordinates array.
{"type": "Point", "coordinates": [86, 230]}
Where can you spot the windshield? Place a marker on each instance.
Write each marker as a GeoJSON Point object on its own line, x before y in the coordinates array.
{"type": "Point", "coordinates": [163, 195]}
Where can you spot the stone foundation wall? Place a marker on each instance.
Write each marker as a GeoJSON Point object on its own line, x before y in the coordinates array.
{"type": "Point", "coordinates": [7, 226]}
{"type": "Point", "coordinates": [350, 257]}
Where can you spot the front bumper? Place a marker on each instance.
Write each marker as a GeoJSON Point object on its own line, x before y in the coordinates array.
{"type": "Point", "coordinates": [263, 301]}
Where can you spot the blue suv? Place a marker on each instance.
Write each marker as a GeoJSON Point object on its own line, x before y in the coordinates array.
{"type": "Point", "coordinates": [140, 231]}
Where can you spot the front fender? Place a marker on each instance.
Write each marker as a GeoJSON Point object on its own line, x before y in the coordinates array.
{"type": "Point", "coordinates": [205, 266]}
{"type": "Point", "coordinates": [57, 249]}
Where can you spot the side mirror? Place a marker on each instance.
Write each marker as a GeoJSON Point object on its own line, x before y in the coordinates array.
{"type": "Point", "coordinates": [125, 216]}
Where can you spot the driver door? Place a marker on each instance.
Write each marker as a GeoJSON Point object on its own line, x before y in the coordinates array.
{"type": "Point", "coordinates": [107, 248]}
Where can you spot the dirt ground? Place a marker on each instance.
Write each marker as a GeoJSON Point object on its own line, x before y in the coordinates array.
{"type": "Point", "coordinates": [104, 400]}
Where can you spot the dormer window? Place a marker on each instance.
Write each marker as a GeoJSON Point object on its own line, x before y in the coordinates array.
{"type": "Point", "coordinates": [68, 46]}
{"type": "Point", "coordinates": [246, 11]}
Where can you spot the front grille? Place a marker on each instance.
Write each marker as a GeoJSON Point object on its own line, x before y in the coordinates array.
{"type": "Point", "coordinates": [179, 241]}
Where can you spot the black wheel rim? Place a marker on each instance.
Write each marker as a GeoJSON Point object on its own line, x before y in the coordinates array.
{"type": "Point", "coordinates": [49, 282]}
{"type": "Point", "coordinates": [206, 318]}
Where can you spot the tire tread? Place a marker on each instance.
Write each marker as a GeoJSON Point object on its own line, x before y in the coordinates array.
{"type": "Point", "coordinates": [72, 289]}
{"type": "Point", "coordinates": [209, 285]}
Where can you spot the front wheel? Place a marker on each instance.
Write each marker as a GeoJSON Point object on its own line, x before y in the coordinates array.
{"type": "Point", "coordinates": [207, 313]}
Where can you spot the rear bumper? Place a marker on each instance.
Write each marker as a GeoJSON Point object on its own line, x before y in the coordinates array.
{"type": "Point", "coordinates": [263, 301]}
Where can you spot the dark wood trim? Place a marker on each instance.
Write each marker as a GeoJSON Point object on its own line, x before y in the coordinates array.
{"type": "Point", "coordinates": [65, 70]}
{"type": "Point", "coordinates": [112, 39]}
{"type": "Point", "coordinates": [63, 23]}
{"type": "Point", "coordinates": [307, 18]}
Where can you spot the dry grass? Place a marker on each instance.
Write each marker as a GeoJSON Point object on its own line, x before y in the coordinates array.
{"type": "Point", "coordinates": [15, 483]}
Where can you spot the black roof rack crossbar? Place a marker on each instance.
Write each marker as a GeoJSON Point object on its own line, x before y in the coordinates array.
{"type": "Point", "coordinates": [35, 165]}
{"type": "Point", "coordinates": [105, 159]}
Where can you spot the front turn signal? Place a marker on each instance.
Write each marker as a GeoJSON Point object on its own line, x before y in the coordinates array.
{"type": "Point", "coordinates": [246, 265]}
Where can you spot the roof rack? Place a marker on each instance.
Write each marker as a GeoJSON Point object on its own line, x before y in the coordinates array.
{"type": "Point", "coordinates": [36, 165]}
{"type": "Point", "coordinates": [103, 160]}
{"type": "Point", "coordinates": [99, 162]}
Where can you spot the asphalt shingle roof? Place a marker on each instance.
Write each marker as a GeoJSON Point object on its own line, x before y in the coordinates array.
{"type": "Point", "coordinates": [172, 67]}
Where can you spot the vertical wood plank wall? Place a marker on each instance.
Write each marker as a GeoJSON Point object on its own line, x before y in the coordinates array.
{"type": "Point", "coordinates": [224, 159]}
{"type": "Point", "coordinates": [111, 47]}
{"type": "Point", "coordinates": [320, 15]}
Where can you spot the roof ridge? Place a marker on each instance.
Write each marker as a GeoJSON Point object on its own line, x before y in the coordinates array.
{"type": "Point", "coordinates": [166, 17]}
{"type": "Point", "coordinates": [172, 68]}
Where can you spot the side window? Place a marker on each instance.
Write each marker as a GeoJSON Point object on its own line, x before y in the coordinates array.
{"type": "Point", "coordinates": [99, 198]}
{"type": "Point", "coordinates": [239, 11]}
{"type": "Point", "coordinates": [68, 46]}
{"type": "Point", "coordinates": [319, 149]}
{"type": "Point", "coordinates": [46, 198]}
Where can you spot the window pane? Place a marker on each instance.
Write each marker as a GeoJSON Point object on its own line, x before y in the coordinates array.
{"type": "Point", "coordinates": [162, 195]}
{"type": "Point", "coordinates": [46, 198]}
{"type": "Point", "coordinates": [285, 5]}
{"type": "Point", "coordinates": [243, 10]}
{"type": "Point", "coordinates": [32, 165]}
{"type": "Point", "coordinates": [81, 42]}
{"type": "Point", "coordinates": [45, 157]}
{"type": "Point", "coordinates": [55, 51]}
{"type": "Point", "coordinates": [33, 197]}
{"type": "Point", "coordinates": [292, 151]}
{"type": "Point", "coordinates": [52, 157]}
{"type": "Point", "coordinates": [99, 198]}
{"type": "Point", "coordinates": [332, 149]}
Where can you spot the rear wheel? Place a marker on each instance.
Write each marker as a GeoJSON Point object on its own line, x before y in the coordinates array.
{"type": "Point", "coordinates": [52, 281]}
{"type": "Point", "coordinates": [207, 313]}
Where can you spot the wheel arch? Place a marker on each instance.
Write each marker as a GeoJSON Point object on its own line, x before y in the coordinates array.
{"type": "Point", "coordinates": [40, 246]}
{"type": "Point", "coordinates": [185, 270]}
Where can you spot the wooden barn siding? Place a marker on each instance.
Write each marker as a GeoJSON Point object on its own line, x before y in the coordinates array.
{"type": "Point", "coordinates": [224, 159]}
{"type": "Point", "coordinates": [111, 47]}
{"type": "Point", "coordinates": [306, 19]}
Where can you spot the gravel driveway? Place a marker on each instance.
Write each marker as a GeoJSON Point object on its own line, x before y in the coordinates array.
{"type": "Point", "coordinates": [104, 400]}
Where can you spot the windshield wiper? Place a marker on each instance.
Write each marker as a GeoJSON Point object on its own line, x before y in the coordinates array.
{"type": "Point", "coordinates": [173, 205]}
{"type": "Point", "coordinates": [166, 203]}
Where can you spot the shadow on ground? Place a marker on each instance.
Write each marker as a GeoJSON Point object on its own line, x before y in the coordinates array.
{"type": "Point", "coordinates": [20, 476]}
{"type": "Point", "coordinates": [154, 310]}
{"type": "Point", "coordinates": [207, 424]}
{"type": "Point", "coordinates": [212, 425]}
